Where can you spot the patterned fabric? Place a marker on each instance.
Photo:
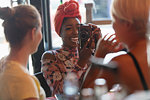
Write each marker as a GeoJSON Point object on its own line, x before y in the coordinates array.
{"type": "Point", "coordinates": [55, 70]}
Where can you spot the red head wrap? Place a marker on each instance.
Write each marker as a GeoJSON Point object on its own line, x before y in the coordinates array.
{"type": "Point", "coordinates": [68, 9]}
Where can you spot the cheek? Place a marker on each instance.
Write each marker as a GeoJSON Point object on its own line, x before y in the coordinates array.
{"type": "Point", "coordinates": [114, 25]}
{"type": "Point", "coordinates": [115, 29]}
{"type": "Point", "coordinates": [39, 37]}
{"type": "Point", "coordinates": [65, 35]}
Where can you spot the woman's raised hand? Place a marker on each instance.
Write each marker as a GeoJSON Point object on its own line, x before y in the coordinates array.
{"type": "Point", "coordinates": [109, 45]}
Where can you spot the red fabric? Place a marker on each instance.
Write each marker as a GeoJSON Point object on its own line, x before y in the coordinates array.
{"type": "Point", "coordinates": [68, 9]}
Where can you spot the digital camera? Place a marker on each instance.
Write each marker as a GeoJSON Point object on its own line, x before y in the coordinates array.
{"type": "Point", "coordinates": [85, 32]}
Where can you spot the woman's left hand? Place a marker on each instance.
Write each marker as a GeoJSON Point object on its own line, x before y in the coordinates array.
{"type": "Point", "coordinates": [109, 45]}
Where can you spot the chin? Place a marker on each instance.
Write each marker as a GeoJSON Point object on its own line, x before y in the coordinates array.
{"type": "Point", "coordinates": [71, 45]}
{"type": "Point", "coordinates": [74, 46]}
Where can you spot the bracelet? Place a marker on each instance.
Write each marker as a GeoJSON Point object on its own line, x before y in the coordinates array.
{"type": "Point", "coordinates": [84, 69]}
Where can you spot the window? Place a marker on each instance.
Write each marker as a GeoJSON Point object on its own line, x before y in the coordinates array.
{"type": "Point", "coordinates": [56, 40]}
{"type": "Point", "coordinates": [4, 47]}
{"type": "Point", "coordinates": [101, 9]}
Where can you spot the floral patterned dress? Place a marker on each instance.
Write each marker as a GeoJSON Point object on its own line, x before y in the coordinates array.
{"type": "Point", "coordinates": [56, 70]}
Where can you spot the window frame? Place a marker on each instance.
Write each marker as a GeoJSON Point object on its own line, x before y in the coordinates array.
{"type": "Point", "coordinates": [89, 16]}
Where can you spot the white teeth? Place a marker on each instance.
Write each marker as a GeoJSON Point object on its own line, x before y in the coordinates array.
{"type": "Point", "coordinates": [74, 39]}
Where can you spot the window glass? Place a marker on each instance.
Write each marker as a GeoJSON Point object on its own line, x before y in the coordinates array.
{"type": "Point", "coordinates": [56, 40]}
{"type": "Point", "coordinates": [101, 9]}
{"type": "Point", "coordinates": [4, 47]}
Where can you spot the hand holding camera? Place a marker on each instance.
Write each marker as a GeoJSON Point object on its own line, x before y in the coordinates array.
{"type": "Point", "coordinates": [89, 34]}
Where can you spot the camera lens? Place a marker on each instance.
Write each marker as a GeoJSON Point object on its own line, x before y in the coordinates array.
{"type": "Point", "coordinates": [84, 35]}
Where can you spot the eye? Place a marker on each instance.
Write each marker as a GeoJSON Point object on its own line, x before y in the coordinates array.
{"type": "Point", "coordinates": [68, 28]}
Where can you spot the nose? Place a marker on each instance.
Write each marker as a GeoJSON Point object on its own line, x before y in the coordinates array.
{"type": "Point", "coordinates": [75, 30]}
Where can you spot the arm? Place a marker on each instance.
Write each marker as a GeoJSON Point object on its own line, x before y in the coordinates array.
{"type": "Point", "coordinates": [104, 46]}
{"type": "Point", "coordinates": [85, 53]}
{"type": "Point", "coordinates": [48, 55]}
{"type": "Point", "coordinates": [51, 71]}
{"type": "Point", "coordinates": [100, 70]}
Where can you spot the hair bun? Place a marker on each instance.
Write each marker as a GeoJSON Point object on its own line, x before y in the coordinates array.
{"type": "Point", "coordinates": [6, 13]}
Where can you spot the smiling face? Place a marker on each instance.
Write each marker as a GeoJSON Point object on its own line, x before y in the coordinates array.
{"type": "Point", "coordinates": [69, 32]}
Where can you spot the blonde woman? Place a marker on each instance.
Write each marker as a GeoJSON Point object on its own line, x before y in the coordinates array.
{"type": "Point", "coordinates": [130, 18]}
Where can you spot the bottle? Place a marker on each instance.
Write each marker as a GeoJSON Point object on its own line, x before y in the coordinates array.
{"type": "Point", "coordinates": [71, 87]}
{"type": "Point", "coordinates": [119, 91]}
{"type": "Point", "coordinates": [100, 88]}
{"type": "Point", "coordinates": [87, 94]}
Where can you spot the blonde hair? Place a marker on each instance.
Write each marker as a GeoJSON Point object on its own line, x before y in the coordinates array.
{"type": "Point", "coordinates": [132, 11]}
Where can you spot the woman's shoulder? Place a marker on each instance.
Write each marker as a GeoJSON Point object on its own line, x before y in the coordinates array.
{"type": "Point", "coordinates": [124, 60]}
{"type": "Point", "coordinates": [48, 55]}
{"type": "Point", "coordinates": [115, 56]}
{"type": "Point", "coordinates": [120, 57]}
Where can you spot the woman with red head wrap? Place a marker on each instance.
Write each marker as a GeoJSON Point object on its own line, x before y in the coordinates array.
{"type": "Point", "coordinates": [57, 63]}
{"type": "Point", "coordinates": [67, 10]}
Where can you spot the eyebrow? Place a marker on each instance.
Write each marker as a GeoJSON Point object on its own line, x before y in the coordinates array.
{"type": "Point", "coordinates": [71, 24]}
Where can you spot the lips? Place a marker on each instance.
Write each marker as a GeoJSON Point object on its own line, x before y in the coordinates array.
{"type": "Point", "coordinates": [74, 39]}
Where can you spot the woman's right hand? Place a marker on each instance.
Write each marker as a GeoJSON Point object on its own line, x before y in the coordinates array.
{"type": "Point", "coordinates": [84, 55]}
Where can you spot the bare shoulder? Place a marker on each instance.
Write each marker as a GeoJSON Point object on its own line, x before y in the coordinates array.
{"type": "Point", "coordinates": [48, 55]}
{"type": "Point", "coordinates": [120, 57]}
{"type": "Point", "coordinates": [123, 60]}
{"type": "Point", "coordinates": [111, 56]}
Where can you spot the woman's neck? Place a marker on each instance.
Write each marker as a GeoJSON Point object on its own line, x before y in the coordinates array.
{"type": "Point", "coordinates": [69, 48]}
{"type": "Point", "coordinates": [138, 45]}
{"type": "Point", "coordinates": [21, 56]}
